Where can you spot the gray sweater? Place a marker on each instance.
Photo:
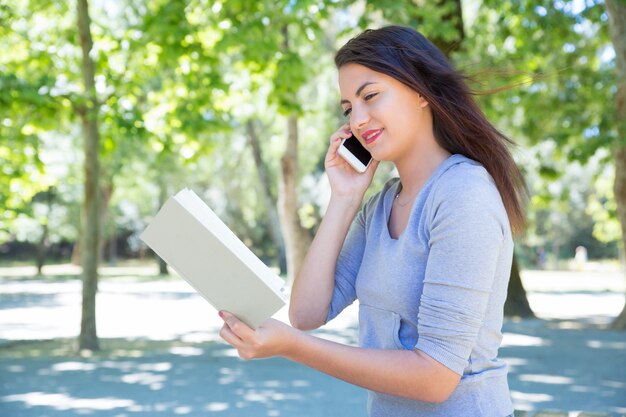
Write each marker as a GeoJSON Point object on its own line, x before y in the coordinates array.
{"type": "Point", "coordinates": [440, 287]}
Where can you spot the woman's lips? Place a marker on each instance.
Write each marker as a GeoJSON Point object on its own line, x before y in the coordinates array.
{"type": "Point", "coordinates": [371, 135]}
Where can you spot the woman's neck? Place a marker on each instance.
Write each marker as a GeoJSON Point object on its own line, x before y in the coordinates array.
{"type": "Point", "coordinates": [416, 168]}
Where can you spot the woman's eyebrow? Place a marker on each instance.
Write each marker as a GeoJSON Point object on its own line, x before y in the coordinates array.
{"type": "Point", "coordinates": [359, 90]}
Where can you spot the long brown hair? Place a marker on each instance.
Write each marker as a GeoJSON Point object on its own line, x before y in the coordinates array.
{"type": "Point", "coordinates": [458, 123]}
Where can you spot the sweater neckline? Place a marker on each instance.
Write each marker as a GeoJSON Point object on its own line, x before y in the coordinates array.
{"type": "Point", "coordinates": [393, 191]}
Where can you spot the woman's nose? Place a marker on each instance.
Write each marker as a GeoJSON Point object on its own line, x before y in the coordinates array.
{"type": "Point", "coordinates": [359, 118]}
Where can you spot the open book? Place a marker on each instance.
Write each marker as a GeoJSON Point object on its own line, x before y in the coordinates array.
{"type": "Point", "coordinates": [193, 240]}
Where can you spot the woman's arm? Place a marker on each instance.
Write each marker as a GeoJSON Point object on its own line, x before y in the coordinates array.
{"type": "Point", "coordinates": [312, 289]}
{"type": "Point", "coordinates": [406, 373]}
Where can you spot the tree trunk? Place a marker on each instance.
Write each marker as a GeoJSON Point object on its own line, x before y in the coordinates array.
{"type": "Point", "coordinates": [88, 338]}
{"type": "Point", "coordinates": [620, 197]}
{"type": "Point", "coordinates": [268, 195]}
{"type": "Point", "coordinates": [112, 254]}
{"type": "Point", "coordinates": [162, 266]}
{"type": "Point", "coordinates": [163, 194]}
{"type": "Point", "coordinates": [106, 192]}
{"type": "Point", "coordinates": [42, 248]}
{"type": "Point", "coordinates": [297, 239]}
{"type": "Point", "coordinates": [76, 251]}
{"type": "Point", "coordinates": [617, 27]}
{"type": "Point", "coordinates": [42, 245]}
{"type": "Point", "coordinates": [556, 249]}
{"type": "Point", "coordinates": [516, 304]}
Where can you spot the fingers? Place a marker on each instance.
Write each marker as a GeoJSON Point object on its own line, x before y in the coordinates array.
{"type": "Point", "coordinates": [236, 327]}
{"type": "Point", "coordinates": [240, 336]}
{"type": "Point", "coordinates": [333, 148]}
{"type": "Point", "coordinates": [343, 133]}
{"type": "Point", "coordinates": [229, 337]}
{"type": "Point", "coordinates": [335, 141]}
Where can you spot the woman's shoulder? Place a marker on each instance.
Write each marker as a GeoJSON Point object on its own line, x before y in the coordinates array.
{"type": "Point", "coordinates": [467, 181]}
{"type": "Point", "coordinates": [466, 174]}
{"type": "Point", "coordinates": [467, 195]}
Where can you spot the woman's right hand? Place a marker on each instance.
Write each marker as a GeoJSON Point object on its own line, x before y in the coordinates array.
{"type": "Point", "coordinates": [345, 180]}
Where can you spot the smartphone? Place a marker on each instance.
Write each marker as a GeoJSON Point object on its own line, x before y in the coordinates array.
{"type": "Point", "coordinates": [355, 154]}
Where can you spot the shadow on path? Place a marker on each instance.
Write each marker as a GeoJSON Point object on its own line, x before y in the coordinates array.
{"type": "Point", "coordinates": [187, 381]}
{"type": "Point", "coordinates": [566, 365]}
{"type": "Point", "coordinates": [171, 366]}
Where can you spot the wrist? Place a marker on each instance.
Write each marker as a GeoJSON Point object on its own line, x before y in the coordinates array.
{"type": "Point", "coordinates": [295, 345]}
{"type": "Point", "coordinates": [345, 201]}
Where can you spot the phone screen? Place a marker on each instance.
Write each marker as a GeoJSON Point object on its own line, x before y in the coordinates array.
{"type": "Point", "coordinates": [355, 147]}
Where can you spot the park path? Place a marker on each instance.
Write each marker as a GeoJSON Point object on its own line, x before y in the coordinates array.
{"type": "Point", "coordinates": [561, 361]}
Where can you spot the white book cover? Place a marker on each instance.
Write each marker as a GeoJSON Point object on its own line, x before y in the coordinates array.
{"type": "Point", "coordinates": [193, 240]}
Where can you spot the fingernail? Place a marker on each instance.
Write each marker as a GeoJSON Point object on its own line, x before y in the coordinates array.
{"type": "Point", "coordinates": [221, 313]}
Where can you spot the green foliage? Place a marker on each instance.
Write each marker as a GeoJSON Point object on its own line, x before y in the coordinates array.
{"type": "Point", "coordinates": [290, 75]}
{"type": "Point", "coordinates": [557, 59]}
{"type": "Point", "coordinates": [179, 80]}
{"type": "Point", "coordinates": [29, 105]}
{"type": "Point", "coordinates": [273, 40]}
{"type": "Point", "coordinates": [435, 19]}
{"type": "Point", "coordinates": [553, 64]}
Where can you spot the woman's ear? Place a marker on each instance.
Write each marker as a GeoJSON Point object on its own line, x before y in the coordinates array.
{"type": "Point", "coordinates": [422, 101]}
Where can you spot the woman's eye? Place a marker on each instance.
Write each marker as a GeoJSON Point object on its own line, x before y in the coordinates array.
{"type": "Point", "coordinates": [346, 112]}
{"type": "Point", "coordinates": [370, 96]}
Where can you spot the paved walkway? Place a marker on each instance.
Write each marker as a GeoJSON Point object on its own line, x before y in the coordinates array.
{"type": "Point", "coordinates": [561, 361]}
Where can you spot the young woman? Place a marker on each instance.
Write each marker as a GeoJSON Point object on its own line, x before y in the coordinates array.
{"type": "Point", "coordinates": [428, 257]}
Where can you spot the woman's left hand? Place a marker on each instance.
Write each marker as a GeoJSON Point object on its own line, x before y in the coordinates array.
{"type": "Point", "coordinates": [272, 338]}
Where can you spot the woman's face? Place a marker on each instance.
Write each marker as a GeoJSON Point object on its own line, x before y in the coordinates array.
{"type": "Point", "coordinates": [388, 117]}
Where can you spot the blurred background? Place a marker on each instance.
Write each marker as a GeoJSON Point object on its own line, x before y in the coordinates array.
{"type": "Point", "coordinates": [108, 107]}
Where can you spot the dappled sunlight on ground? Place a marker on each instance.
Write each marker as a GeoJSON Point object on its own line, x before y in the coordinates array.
{"type": "Point", "coordinates": [186, 385]}
{"type": "Point", "coordinates": [553, 367]}
{"type": "Point", "coordinates": [588, 293]}
{"type": "Point", "coordinates": [545, 379]}
{"type": "Point", "coordinates": [162, 353]}
{"type": "Point", "coordinates": [598, 344]}
{"type": "Point", "coordinates": [553, 306]}
{"type": "Point", "coordinates": [512, 339]}
{"type": "Point", "coordinates": [186, 351]}
{"type": "Point", "coordinates": [159, 310]}
{"type": "Point", "coordinates": [66, 402]}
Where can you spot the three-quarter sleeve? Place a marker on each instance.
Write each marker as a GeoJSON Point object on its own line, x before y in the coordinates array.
{"type": "Point", "coordinates": [468, 228]}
